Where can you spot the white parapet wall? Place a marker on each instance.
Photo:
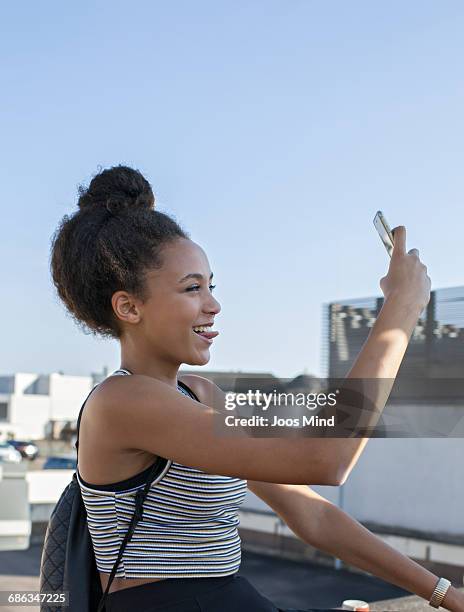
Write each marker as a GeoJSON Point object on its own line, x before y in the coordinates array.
{"type": "Point", "coordinates": [411, 483]}
{"type": "Point", "coordinates": [46, 486]}
{"type": "Point", "coordinates": [15, 509]}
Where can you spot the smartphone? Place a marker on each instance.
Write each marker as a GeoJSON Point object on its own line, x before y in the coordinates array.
{"type": "Point", "coordinates": [385, 233]}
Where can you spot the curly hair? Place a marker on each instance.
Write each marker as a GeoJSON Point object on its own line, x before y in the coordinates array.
{"type": "Point", "coordinates": [108, 245]}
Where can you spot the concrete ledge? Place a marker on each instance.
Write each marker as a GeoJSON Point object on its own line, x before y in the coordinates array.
{"type": "Point", "coordinates": [291, 547]}
{"type": "Point", "coordinates": [264, 532]}
{"type": "Point", "coordinates": [455, 539]}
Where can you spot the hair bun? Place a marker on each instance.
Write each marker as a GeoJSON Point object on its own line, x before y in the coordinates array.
{"type": "Point", "coordinates": [117, 189]}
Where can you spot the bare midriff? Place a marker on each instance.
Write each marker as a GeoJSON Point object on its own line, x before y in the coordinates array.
{"type": "Point", "coordinates": [119, 584]}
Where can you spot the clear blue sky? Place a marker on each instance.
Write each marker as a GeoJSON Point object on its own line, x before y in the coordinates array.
{"type": "Point", "coordinates": [272, 131]}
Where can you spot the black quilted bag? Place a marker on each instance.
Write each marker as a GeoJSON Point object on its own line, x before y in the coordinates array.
{"type": "Point", "coordinates": [68, 559]}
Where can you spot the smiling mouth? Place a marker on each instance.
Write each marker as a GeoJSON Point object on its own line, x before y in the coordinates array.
{"type": "Point", "coordinates": [207, 335]}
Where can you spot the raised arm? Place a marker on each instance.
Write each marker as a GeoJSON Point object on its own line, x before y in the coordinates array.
{"type": "Point", "coordinates": [145, 413]}
{"type": "Point", "coordinates": [406, 288]}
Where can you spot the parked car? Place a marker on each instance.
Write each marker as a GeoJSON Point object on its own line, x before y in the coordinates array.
{"type": "Point", "coordinates": [60, 463]}
{"type": "Point", "coordinates": [28, 449]}
{"type": "Point", "coordinates": [8, 454]}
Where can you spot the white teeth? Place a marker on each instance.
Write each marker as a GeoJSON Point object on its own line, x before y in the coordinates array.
{"type": "Point", "coordinates": [202, 328]}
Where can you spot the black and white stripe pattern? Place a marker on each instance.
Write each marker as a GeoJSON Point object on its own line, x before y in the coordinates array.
{"type": "Point", "coordinates": [188, 529]}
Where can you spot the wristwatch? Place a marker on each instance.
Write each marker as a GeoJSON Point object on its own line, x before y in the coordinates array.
{"type": "Point", "coordinates": [439, 592]}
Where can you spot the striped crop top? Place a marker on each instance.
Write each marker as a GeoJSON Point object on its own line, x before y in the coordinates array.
{"type": "Point", "coordinates": [188, 529]}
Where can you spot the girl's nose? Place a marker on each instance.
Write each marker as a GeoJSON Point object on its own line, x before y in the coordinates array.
{"type": "Point", "coordinates": [213, 306]}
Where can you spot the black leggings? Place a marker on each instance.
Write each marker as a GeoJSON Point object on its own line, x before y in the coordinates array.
{"type": "Point", "coordinates": [224, 594]}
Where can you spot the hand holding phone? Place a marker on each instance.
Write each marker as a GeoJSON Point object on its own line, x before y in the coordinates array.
{"type": "Point", "coordinates": [407, 275]}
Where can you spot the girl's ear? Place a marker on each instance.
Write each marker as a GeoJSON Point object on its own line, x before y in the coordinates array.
{"type": "Point", "coordinates": [125, 307]}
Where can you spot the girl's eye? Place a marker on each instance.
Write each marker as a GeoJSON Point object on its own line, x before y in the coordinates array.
{"type": "Point", "coordinates": [195, 287]}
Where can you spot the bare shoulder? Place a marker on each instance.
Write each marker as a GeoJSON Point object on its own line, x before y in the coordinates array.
{"type": "Point", "coordinates": [106, 393]}
{"type": "Point", "coordinates": [118, 390]}
{"type": "Point", "coordinates": [112, 398]}
{"type": "Point", "coordinates": [115, 393]}
{"type": "Point", "coordinates": [106, 411]}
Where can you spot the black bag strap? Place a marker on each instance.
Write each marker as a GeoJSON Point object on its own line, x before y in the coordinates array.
{"type": "Point", "coordinates": [136, 517]}
{"type": "Point", "coordinates": [76, 445]}
{"type": "Point", "coordinates": [140, 496]}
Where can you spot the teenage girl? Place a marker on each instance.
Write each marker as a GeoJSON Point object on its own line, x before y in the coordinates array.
{"type": "Point", "coordinates": [129, 272]}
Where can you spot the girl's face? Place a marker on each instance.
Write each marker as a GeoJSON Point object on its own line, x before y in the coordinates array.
{"type": "Point", "coordinates": [180, 299]}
